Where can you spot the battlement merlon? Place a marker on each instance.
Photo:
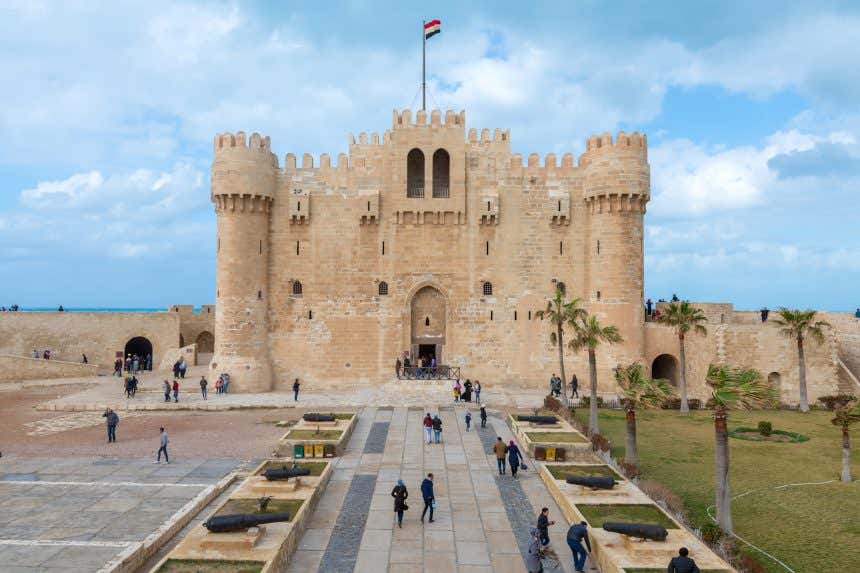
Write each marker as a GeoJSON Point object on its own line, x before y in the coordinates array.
{"type": "Point", "coordinates": [403, 119]}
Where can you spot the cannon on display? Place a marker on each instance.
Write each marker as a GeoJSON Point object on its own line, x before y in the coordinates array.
{"type": "Point", "coordinates": [285, 473]}
{"type": "Point", "coordinates": [650, 531]}
{"type": "Point", "coordinates": [596, 482]}
{"type": "Point", "coordinates": [242, 521]}
{"type": "Point", "coordinates": [315, 417]}
{"type": "Point", "coordinates": [538, 419]}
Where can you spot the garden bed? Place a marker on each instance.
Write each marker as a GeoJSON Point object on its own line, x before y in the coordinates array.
{"type": "Point", "coordinates": [562, 472]}
{"type": "Point", "coordinates": [314, 435]}
{"type": "Point", "coordinates": [252, 506]}
{"type": "Point", "coordinates": [777, 436]}
{"type": "Point", "coordinates": [663, 570]}
{"type": "Point", "coordinates": [316, 468]}
{"type": "Point", "coordinates": [597, 514]}
{"type": "Point", "coordinates": [556, 437]}
{"type": "Point", "coordinates": [210, 566]}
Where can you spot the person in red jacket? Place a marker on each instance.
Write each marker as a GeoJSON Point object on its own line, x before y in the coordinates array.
{"type": "Point", "coordinates": [175, 391]}
{"type": "Point", "coordinates": [428, 428]}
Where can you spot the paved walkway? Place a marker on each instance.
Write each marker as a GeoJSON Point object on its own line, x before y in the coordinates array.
{"type": "Point", "coordinates": [481, 518]}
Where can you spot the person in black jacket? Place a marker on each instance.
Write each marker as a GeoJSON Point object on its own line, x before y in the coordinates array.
{"type": "Point", "coordinates": [682, 563]}
{"type": "Point", "coordinates": [575, 536]}
{"type": "Point", "coordinates": [429, 498]}
{"type": "Point", "coordinates": [543, 524]}
{"type": "Point", "coordinates": [399, 493]}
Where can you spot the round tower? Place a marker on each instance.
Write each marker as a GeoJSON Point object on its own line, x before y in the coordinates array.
{"type": "Point", "coordinates": [243, 186]}
{"type": "Point", "coordinates": [616, 187]}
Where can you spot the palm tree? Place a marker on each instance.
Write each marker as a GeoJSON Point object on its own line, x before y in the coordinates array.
{"type": "Point", "coordinates": [844, 417]}
{"type": "Point", "coordinates": [684, 317]}
{"type": "Point", "coordinates": [800, 324]}
{"type": "Point", "coordinates": [638, 392]}
{"type": "Point", "coordinates": [732, 389]}
{"type": "Point", "coordinates": [589, 334]}
{"type": "Point", "coordinates": [561, 313]}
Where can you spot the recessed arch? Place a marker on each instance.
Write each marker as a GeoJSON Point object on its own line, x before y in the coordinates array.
{"type": "Point", "coordinates": [205, 342]}
{"type": "Point", "coordinates": [428, 317]}
{"type": "Point", "coordinates": [441, 174]}
{"type": "Point", "coordinates": [775, 381]}
{"type": "Point", "coordinates": [139, 346]}
{"type": "Point", "coordinates": [665, 367]}
{"type": "Point", "coordinates": [488, 289]}
{"type": "Point", "coordinates": [415, 173]}
{"type": "Point", "coordinates": [297, 288]}
{"type": "Point", "coordinates": [383, 288]}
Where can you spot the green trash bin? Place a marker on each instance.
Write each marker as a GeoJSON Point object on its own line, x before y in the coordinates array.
{"type": "Point", "coordinates": [299, 451]}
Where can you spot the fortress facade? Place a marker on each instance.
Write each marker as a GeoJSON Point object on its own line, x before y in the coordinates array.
{"type": "Point", "coordinates": [439, 240]}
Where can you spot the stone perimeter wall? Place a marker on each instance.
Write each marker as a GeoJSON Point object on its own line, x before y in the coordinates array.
{"type": "Point", "coordinates": [15, 368]}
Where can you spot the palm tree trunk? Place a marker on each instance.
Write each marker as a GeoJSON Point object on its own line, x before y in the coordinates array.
{"type": "Point", "coordinates": [846, 457]}
{"type": "Point", "coordinates": [721, 458]}
{"type": "Point", "coordinates": [631, 453]}
{"type": "Point", "coordinates": [685, 406]}
{"type": "Point", "coordinates": [593, 428]}
{"type": "Point", "coordinates": [801, 361]}
{"type": "Point", "coordinates": [564, 399]}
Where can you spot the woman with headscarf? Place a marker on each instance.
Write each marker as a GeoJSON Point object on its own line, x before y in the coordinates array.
{"type": "Point", "coordinates": [514, 457]}
{"type": "Point", "coordinates": [399, 493]}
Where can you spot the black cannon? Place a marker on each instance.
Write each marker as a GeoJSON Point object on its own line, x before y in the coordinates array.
{"type": "Point", "coordinates": [597, 482]}
{"type": "Point", "coordinates": [538, 419]}
{"type": "Point", "coordinates": [242, 521]}
{"type": "Point", "coordinates": [650, 531]}
{"type": "Point", "coordinates": [286, 473]}
{"type": "Point", "coordinates": [314, 417]}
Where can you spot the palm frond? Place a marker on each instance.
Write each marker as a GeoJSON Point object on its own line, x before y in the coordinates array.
{"type": "Point", "coordinates": [683, 317]}
{"type": "Point", "coordinates": [638, 390]}
{"type": "Point", "coordinates": [589, 333]}
{"type": "Point", "coordinates": [739, 388]}
{"type": "Point", "coordinates": [846, 415]}
{"type": "Point", "coordinates": [799, 324]}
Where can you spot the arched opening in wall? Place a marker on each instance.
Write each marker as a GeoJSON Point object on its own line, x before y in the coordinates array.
{"type": "Point", "coordinates": [665, 367]}
{"type": "Point", "coordinates": [141, 347]}
{"type": "Point", "coordinates": [427, 321]}
{"type": "Point", "coordinates": [488, 289]}
{"type": "Point", "coordinates": [441, 174]}
{"type": "Point", "coordinates": [181, 341]}
{"type": "Point", "coordinates": [383, 288]}
{"type": "Point", "coordinates": [205, 347]}
{"type": "Point", "coordinates": [775, 381]}
{"type": "Point", "coordinates": [562, 287]}
{"type": "Point", "coordinates": [415, 174]}
{"type": "Point", "coordinates": [297, 288]}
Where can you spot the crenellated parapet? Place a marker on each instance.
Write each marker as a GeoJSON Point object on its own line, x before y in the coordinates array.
{"type": "Point", "coordinates": [403, 119]}
{"type": "Point", "coordinates": [616, 173]}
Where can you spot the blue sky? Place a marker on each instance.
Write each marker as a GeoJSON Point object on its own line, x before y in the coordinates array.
{"type": "Point", "coordinates": [752, 110]}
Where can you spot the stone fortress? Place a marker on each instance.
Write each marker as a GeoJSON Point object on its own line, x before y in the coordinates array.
{"type": "Point", "coordinates": [433, 239]}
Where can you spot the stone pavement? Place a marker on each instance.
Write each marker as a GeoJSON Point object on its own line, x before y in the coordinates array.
{"type": "Point", "coordinates": [76, 514]}
{"type": "Point", "coordinates": [481, 518]}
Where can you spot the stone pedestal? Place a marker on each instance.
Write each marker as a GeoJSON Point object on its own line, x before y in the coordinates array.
{"type": "Point", "coordinates": [233, 540]}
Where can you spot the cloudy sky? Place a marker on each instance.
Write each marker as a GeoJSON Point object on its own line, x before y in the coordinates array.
{"type": "Point", "coordinates": [108, 109]}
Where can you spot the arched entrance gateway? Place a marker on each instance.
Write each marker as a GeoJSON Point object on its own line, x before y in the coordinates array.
{"type": "Point", "coordinates": [427, 317]}
{"type": "Point", "coordinates": [141, 346]}
{"type": "Point", "coordinates": [665, 367]}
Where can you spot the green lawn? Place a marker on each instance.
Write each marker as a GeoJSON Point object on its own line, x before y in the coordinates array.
{"type": "Point", "coordinates": [314, 435]}
{"type": "Point", "coordinates": [597, 514]}
{"type": "Point", "coordinates": [556, 437]}
{"type": "Point", "coordinates": [316, 468]}
{"type": "Point", "coordinates": [678, 451]}
{"type": "Point", "coordinates": [233, 506]}
{"type": "Point", "coordinates": [664, 571]}
{"type": "Point", "coordinates": [210, 566]}
{"type": "Point", "coordinates": [562, 472]}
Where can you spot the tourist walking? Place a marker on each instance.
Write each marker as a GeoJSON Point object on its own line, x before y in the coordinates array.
{"type": "Point", "coordinates": [429, 498]}
{"type": "Point", "coordinates": [648, 307]}
{"type": "Point", "coordinates": [483, 416]}
{"type": "Point", "coordinates": [466, 396]}
{"type": "Point", "coordinates": [575, 536]}
{"type": "Point", "coordinates": [468, 419]}
{"type": "Point", "coordinates": [183, 366]}
{"type": "Point", "coordinates": [477, 391]}
{"type": "Point", "coordinates": [175, 391]}
{"type": "Point", "coordinates": [764, 314]}
{"type": "Point", "coordinates": [176, 369]}
{"type": "Point", "coordinates": [225, 389]}
{"type": "Point", "coordinates": [35, 354]}
{"type": "Point", "coordinates": [574, 386]}
{"type": "Point", "coordinates": [400, 493]}
{"type": "Point", "coordinates": [543, 524]}
{"type": "Point", "coordinates": [428, 428]}
{"type": "Point", "coordinates": [112, 421]}
{"type": "Point", "coordinates": [117, 367]}
{"type": "Point", "coordinates": [84, 358]}
{"type": "Point", "coordinates": [397, 367]}
{"type": "Point", "coordinates": [135, 364]}
{"type": "Point", "coordinates": [514, 458]}
{"type": "Point", "coordinates": [166, 391]}
{"type": "Point", "coordinates": [133, 383]}
{"type": "Point", "coordinates": [296, 390]}
{"type": "Point", "coordinates": [219, 386]}
{"type": "Point", "coordinates": [437, 428]}
{"type": "Point", "coordinates": [457, 391]}
{"type": "Point", "coordinates": [682, 563]}
{"type": "Point", "coordinates": [163, 448]}
{"type": "Point", "coordinates": [149, 362]}
{"type": "Point", "coordinates": [501, 449]}
{"type": "Point", "coordinates": [203, 385]}
{"type": "Point", "coordinates": [128, 386]}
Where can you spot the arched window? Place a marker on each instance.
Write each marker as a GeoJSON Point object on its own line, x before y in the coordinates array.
{"type": "Point", "coordinates": [561, 286]}
{"type": "Point", "coordinates": [441, 173]}
{"type": "Point", "coordinates": [297, 288]}
{"type": "Point", "coordinates": [488, 289]}
{"type": "Point", "coordinates": [383, 288]}
{"type": "Point", "coordinates": [415, 174]}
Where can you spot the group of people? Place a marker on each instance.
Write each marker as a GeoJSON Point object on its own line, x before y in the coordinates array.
{"type": "Point", "coordinates": [513, 454]}
{"type": "Point", "coordinates": [180, 367]}
{"type": "Point", "coordinates": [540, 543]}
{"type": "Point", "coordinates": [13, 308]}
{"type": "Point", "coordinates": [132, 363]}
{"type": "Point", "coordinates": [463, 392]}
{"type": "Point", "coordinates": [112, 419]}
{"type": "Point", "coordinates": [45, 354]}
{"type": "Point", "coordinates": [401, 494]}
{"type": "Point", "coordinates": [555, 386]}
{"type": "Point", "coordinates": [426, 366]}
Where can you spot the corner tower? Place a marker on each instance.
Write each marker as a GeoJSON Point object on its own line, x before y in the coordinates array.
{"type": "Point", "coordinates": [243, 186]}
{"type": "Point", "coordinates": [616, 188]}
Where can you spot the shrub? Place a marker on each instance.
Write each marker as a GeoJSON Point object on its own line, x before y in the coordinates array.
{"type": "Point", "coordinates": [749, 564]}
{"type": "Point", "coordinates": [551, 403]}
{"type": "Point", "coordinates": [765, 428]}
{"type": "Point", "coordinates": [629, 470]}
{"type": "Point", "coordinates": [586, 401]}
{"type": "Point", "coordinates": [659, 492]}
{"type": "Point", "coordinates": [711, 533]}
{"type": "Point", "coordinates": [836, 400]}
{"type": "Point", "coordinates": [675, 404]}
{"type": "Point", "coordinates": [599, 443]}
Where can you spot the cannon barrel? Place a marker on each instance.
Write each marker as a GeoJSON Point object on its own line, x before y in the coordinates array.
{"type": "Point", "coordinates": [242, 521]}
{"type": "Point", "coordinates": [650, 531]}
{"type": "Point", "coordinates": [596, 482]}
{"type": "Point", "coordinates": [538, 419]}
{"type": "Point", "coordinates": [314, 417]}
{"type": "Point", "coordinates": [286, 473]}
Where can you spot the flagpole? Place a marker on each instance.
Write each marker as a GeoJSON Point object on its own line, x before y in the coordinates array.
{"type": "Point", "coordinates": [423, 67]}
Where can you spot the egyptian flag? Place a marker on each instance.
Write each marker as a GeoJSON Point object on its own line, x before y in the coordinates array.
{"type": "Point", "coordinates": [432, 28]}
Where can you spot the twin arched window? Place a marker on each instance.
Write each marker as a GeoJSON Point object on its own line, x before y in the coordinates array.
{"type": "Point", "coordinates": [415, 174]}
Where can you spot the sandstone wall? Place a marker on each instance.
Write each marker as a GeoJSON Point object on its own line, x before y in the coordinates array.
{"type": "Point", "coordinates": [100, 335]}
{"type": "Point", "coordinates": [15, 368]}
{"type": "Point", "coordinates": [196, 327]}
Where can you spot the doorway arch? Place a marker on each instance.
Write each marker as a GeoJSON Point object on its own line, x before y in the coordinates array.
{"type": "Point", "coordinates": [428, 323]}
{"type": "Point", "coordinates": [205, 342]}
{"type": "Point", "coordinates": [665, 367]}
{"type": "Point", "coordinates": [139, 345]}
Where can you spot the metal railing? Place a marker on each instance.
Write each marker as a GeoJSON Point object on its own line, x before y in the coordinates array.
{"type": "Point", "coordinates": [429, 373]}
{"type": "Point", "coordinates": [415, 192]}
{"type": "Point", "coordinates": [441, 192]}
